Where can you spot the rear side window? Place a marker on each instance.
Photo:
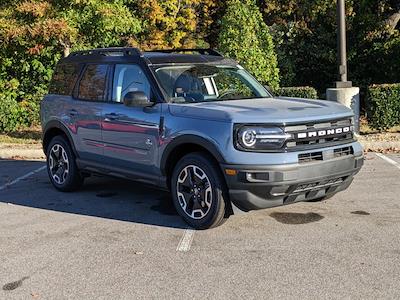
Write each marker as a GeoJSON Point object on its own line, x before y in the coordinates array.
{"type": "Point", "coordinates": [93, 83]}
{"type": "Point", "coordinates": [64, 79]}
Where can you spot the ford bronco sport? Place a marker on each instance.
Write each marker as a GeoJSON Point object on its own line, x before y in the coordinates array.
{"type": "Point", "coordinates": [195, 123]}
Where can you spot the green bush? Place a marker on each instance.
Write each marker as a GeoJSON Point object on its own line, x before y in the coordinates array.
{"type": "Point", "coordinates": [297, 92]}
{"type": "Point", "coordinates": [14, 114]}
{"type": "Point", "coordinates": [245, 37]}
{"type": "Point", "coordinates": [383, 106]}
{"type": "Point", "coordinates": [9, 112]}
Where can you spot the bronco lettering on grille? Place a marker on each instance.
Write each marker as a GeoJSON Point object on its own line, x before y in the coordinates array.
{"type": "Point", "coordinates": [324, 133]}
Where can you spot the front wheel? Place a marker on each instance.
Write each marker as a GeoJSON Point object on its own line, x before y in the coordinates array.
{"type": "Point", "coordinates": [199, 191]}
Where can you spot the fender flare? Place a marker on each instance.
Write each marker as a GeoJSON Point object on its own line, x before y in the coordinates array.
{"type": "Point", "coordinates": [189, 139]}
{"type": "Point", "coordinates": [59, 125]}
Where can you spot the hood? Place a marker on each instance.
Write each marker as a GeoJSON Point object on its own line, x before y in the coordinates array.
{"type": "Point", "coordinates": [267, 110]}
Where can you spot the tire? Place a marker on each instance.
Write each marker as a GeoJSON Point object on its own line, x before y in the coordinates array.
{"type": "Point", "coordinates": [199, 191]}
{"type": "Point", "coordinates": [61, 165]}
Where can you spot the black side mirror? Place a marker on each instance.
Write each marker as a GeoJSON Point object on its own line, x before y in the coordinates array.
{"type": "Point", "coordinates": [136, 99]}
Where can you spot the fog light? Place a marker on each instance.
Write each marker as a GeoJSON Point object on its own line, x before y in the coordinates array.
{"type": "Point", "coordinates": [257, 177]}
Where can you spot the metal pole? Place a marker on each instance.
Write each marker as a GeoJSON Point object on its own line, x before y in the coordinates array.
{"type": "Point", "coordinates": [341, 15]}
{"type": "Point", "coordinates": [344, 93]}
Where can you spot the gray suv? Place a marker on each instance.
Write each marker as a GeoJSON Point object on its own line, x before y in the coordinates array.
{"type": "Point", "coordinates": [197, 124]}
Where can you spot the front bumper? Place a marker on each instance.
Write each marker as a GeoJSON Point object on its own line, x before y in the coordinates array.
{"type": "Point", "coordinates": [256, 187]}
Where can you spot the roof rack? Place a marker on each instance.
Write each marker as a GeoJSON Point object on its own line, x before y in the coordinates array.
{"type": "Point", "coordinates": [201, 51]}
{"type": "Point", "coordinates": [117, 51]}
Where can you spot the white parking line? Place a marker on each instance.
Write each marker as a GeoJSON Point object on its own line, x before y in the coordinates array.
{"type": "Point", "coordinates": [22, 178]}
{"type": "Point", "coordinates": [186, 240]}
{"type": "Point", "coordinates": [390, 161]}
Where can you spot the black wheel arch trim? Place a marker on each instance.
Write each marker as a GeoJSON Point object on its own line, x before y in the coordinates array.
{"type": "Point", "coordinates": [57, 124]}
{"type": "Point", "coordinates": [189, 139]}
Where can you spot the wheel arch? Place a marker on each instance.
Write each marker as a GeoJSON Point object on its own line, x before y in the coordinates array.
{"type": "Point", "coordinates": [183, 145]}
{"type": "Point", "coordinates": [55, 128]}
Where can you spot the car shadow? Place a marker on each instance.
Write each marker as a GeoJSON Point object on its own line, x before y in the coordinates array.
{"type": "Point", "coordinates": [100, 196]}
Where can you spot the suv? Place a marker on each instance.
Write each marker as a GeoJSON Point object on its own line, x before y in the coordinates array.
{"type": "Point", "coordinates": [197, 124]}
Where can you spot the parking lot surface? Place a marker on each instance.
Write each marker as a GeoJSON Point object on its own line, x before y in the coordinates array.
{"type": "Point", "coordinates": [116, 239]}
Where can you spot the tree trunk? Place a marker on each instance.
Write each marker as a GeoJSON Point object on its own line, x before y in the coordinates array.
{"type": "Point", "coordinates": [393, 20]}
{"type": "Point", "coordinates": [67, 50]}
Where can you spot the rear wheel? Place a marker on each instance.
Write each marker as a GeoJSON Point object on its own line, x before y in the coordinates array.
{"type": "Point", "coordinates": [61, 165]}
{"type": "Point", "coordinates": [199, 191]}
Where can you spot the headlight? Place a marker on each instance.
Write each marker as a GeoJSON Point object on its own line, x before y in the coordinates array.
{"type": "Point", "coordinates": [249, 137]}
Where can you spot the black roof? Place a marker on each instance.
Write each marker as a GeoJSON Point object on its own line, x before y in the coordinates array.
{"type": "Point", "coordinates": [156, 57]}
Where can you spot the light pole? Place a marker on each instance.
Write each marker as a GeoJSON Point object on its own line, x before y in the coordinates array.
{"type": "Point", "coordinates": [342, 55]}
{"type": "Point", "coordinates": [344, 92]}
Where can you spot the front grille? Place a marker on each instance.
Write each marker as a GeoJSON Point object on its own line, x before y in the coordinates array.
{"type": "Point", "coordinates": [309, 157]}
{"type": "Point", "coordinates": [315, 135]}
{"type": "Point", "coordinates": [325, 155]}
{"type": "Point", "coordinates": [343, 151]}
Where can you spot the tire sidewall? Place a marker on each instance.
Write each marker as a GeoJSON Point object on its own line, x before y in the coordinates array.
{"type": "Point", "coordinates": [218, 202]}
{"type": "Point", "coordinates": [71, 180]}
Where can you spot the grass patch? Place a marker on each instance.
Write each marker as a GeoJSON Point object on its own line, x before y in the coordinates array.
{"type": "Point", "coordinates": [31, 135]}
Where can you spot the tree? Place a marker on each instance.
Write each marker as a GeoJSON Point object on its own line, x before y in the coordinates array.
{"type": "Point", "coordinates": [393, 18]}
{"type": "Point", "coordinates": [305, 37]}
{"type": "Point", "coordinates": [307, 29]}
{"type": "Point", "coordinates": [174, 23]}
{"type": "Point", "coordinates": [245, 37]}
{"type": "Point", "coordinates": [35, 34]}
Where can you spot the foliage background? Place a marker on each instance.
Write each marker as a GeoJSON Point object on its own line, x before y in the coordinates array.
{"type": "Point", "coordinates": [384, 105]}
{"type": "Point", "coordinates": [282, 42]}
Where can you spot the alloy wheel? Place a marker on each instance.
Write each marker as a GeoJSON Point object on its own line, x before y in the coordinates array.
{"type": "Point", "coordinates": [58, 164]}
{"type": "Point", "coordinates": [194, 192]}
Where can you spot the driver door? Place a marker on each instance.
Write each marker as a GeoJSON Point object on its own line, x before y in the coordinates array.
{"type": "Point", "coordinates": [130, 134]}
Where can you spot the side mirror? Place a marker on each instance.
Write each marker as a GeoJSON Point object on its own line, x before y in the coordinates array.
{"type": "Point", "coordinates": [136, 99]}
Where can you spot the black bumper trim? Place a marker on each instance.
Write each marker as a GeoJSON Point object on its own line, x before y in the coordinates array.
{"type": "Point", "coordinates": [288, 183]}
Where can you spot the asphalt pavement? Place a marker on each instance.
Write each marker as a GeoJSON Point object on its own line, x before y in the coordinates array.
{"type": "Point", "coordinates": [117, 239]}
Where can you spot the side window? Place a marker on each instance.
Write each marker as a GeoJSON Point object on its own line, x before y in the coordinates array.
{"type": "Point", "coordinates": [93, 83]}
{"type": "Point", "coordinates": [129, 78]}
{"type": "Point", "coordinates": [64, 79]}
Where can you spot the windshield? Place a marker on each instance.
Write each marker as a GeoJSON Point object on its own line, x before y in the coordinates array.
{"type": "Point", "coordinates": [202, 83]}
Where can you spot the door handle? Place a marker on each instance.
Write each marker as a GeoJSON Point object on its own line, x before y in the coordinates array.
{"type": "Point", "coordinates": [111, 117]}
{"type": "Point", "coordinates": [73, 112]}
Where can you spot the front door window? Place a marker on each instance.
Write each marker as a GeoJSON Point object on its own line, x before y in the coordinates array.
{"type": "Point", "coordinates": [129, 78]}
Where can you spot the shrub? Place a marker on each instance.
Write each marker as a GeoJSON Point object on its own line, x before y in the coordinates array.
{"type": "Point", "coordinates": [383, 106]}
{"type": "Point", "coordinates": [245, 37]}
{"type": "Point", "coordinates": [297, 92]}
{"type": "Point", "coordinates": [9, 112]}
{"type": "Point", "coordinates": [14, 114]}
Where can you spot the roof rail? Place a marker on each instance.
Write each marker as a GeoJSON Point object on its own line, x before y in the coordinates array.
{"type": "Point", "coordinates": [117, 51]}
{"type": "Point", "coordinates": [201, 51]}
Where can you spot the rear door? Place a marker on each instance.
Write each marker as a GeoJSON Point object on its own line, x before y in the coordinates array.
{"type": "Point", "coordinates": [90, 95]}
{"type": "Point", "coordinates": [131, 134]}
